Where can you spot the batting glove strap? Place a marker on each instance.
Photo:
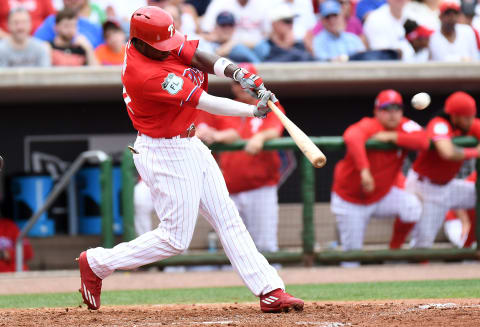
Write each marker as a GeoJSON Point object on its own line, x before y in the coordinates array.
{"type": "Point", "coordinates": [248, 80]}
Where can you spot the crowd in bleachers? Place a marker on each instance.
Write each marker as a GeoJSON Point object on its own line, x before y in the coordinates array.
{"type": "Point", "coordinates": [94, 32]}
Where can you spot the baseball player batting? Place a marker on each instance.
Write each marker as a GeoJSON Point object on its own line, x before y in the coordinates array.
{"type": "Point", "coordinates": [165, 81]}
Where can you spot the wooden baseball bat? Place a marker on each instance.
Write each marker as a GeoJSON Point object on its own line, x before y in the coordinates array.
{"type": "Point", "coordinates": [309, 149]}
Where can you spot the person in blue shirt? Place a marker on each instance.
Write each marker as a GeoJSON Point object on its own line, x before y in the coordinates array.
{"type": "Point", "coordinates": [92, 32]}
{"type": "Point", "coordinates": [333, 43]}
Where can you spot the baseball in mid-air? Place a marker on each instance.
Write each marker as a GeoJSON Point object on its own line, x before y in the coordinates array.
{"type": "Point", "coordinates": [421, 101]}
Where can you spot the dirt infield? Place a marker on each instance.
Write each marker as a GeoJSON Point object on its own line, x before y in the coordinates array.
{"type": "Point", "coordinates": [400, 313]}
{"type": "Point", "coordinates": [374, 313]}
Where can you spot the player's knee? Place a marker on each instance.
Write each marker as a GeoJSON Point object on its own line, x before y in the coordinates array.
{"type": "Point", "coordinates": [412, 211]}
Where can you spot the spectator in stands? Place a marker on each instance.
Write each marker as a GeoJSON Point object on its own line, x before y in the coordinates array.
{"type": "Point", "coordinates": [92, 32]}
{"type": "Point", "coordinates": [223, 44]}
{"type": "Point", "coordinates": [467, 9]}
{"type": "Point", "coordinates": [424, 12]}
{"type": "Point", "coordinates": [365, 7]}
{"type": "Point", "coordinates": [113, 50]}
{"type": "Point", "coordinates": [432, 175]}
{"type": "Point", "coordinates": [282, 46]}
{"type": "Point", "coordinates": [352, 23]}
{"type": "Point", "coordinates": [251, 175]}
{"type": "Point", "coordinates": [419, 38]}
{"type": "Point", "coordinates": [120, 11]}
{"type": "Point", "coordinates": [90, 11]}
{"type": "Point", "coordinates": [188, 14]}
{"type": "Point", "coordinates": [364, 181]}
{"type": "Point", "coordinates": [379, 37]}
{"type": "Point", "coordinates": [38, 9]}
{"type": "Point", "coordinates": [68, 47]}
{"type": "Point", "coordinates": [8, 236]}
{"type": "Point", "coordinates": [19, 49]}
{"type": "Point", "coordinates": [333, 43]}
{"type": "Point", "coordinates": [251, 18]}
{"type": "Point", "coordinates": [200, 5]}
{"type": "Point", "coordinates": [177, 15]}
{"type": "Point", "coordinates": [305, 19]}
{"type": "Point", "coordinates": [454, 41]}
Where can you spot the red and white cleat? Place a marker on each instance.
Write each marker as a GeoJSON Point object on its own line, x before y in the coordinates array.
{"type": "Point", "coordinates": [91, 285]}
{"type": "Point", "coordinates": [280, 301]}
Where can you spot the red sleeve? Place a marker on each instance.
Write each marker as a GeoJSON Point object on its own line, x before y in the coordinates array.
{"type": "Point", "coordinates": [227, 122]}
{"type": "Point", "coordinates": [172, 89]}
{"type": "Point", "coordinates": [439, 129]}
{"type": "Point", "coordinates": [272, 121]}
{"type": "Point", "coordinates": [187, 50]}
{"type": "Point", "coordinates": [355, 137]}
{"type": "Point", "coordinates": [412, 136]}
{"type": "Point", "coordinates": [472, 177]}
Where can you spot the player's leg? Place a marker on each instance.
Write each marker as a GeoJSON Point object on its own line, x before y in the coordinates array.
{"type": "Point", "coordinates": [169, 169]}
{"type": "Point", "coordinates": [261, 217]}
{"type": "Point", "coordinates": [400, 203]}
{"type": "Point", "coordinates": [240, 202]}
{"type": "Point", "coordinates": [462, 194]}
{"type": "Point", "coordinates": [220, 211]}
{"type": "Point", "coordinates": [352, 220]}
{"type": "Point", "coordinates": [143, 202]}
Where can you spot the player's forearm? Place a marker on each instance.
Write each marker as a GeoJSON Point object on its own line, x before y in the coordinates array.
{"type": "Point", "coordinates": [223, 106]}
{"type": "Point", "coordinates": [268, 134]}
{"type": "Point", "coordinates": [206, 61]}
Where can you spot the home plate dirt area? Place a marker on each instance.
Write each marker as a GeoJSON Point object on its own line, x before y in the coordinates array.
{"type": "Point", "coordinates": [406, 313]}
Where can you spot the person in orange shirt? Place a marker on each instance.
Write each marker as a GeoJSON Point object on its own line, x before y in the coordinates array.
{"type": "Point", "coordinates": [113, 50]}
{"type": "Point", "coordinates": [364, 182]}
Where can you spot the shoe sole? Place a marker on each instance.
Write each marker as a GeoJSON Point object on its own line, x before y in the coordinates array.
{"type": "Point", "coordinates": [296, 307]}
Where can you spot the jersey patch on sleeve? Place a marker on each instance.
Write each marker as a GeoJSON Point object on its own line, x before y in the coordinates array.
{"type": "Point", "coordinates": [411, 126]}
{"type": "Point", "coordinates": [440, 129]}
{"type": "Point", "coordinates": [172, 84]}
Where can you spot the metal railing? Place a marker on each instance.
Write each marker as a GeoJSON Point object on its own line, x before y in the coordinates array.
{"type": "Point", "coordinates": [308, 255]}
{"type": "Point", "coordinates": [106, 201]}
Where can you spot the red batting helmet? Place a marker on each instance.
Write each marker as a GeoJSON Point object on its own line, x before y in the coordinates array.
{"type": "Point", "coordinates": [388, 98]}
{"type": "Point", "coordinates": [155, 27]}
{"type": "Point", "coordinates": [461, 104]}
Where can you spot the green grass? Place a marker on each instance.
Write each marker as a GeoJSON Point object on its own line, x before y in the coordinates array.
{"type": "Point", "coordinates": [310, 292]}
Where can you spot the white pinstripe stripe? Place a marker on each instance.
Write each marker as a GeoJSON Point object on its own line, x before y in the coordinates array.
{"type": "Point", "coordinates": [184, 178]}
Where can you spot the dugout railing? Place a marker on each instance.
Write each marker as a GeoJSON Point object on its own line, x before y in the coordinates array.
{"type": "Point", "coordinates": [307, 254]}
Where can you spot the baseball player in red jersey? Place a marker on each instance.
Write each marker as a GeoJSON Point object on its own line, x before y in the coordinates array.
{"type": "Point", "coordinates": [165, 81]}
{"type": "Point", "coordinates": [432, 175]}
{"type": "Point", "coordinates": [364, 181]}
{"type": "Point", "coordinates": [251, 175]}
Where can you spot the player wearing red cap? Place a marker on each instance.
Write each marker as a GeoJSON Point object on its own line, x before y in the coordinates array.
{"type": "Point", "coordinates": [432, 175]}
{"type": "Point", "coordinates": [364, 181]}
{"type": "Point", "coordinates": [165, 82]}
{"type": "Point", "coordinates": [251, 175]}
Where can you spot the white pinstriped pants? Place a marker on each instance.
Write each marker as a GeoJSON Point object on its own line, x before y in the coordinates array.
{"type": "Point", "coordinates": [184, 179]}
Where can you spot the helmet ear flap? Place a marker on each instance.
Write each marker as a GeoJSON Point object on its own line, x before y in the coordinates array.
{"type": "Point", "coordinates": [155, 27]}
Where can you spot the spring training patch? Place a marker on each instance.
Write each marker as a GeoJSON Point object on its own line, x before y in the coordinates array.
{"type": "Point", "coordinates": [172, 84]}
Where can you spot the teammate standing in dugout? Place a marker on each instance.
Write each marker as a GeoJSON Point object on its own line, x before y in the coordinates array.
{"type": "Point", "coordinates": [165, 81]}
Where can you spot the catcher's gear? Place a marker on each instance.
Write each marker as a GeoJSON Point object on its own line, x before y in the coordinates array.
{"type": "Point", "coordinates": [155, 27]}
